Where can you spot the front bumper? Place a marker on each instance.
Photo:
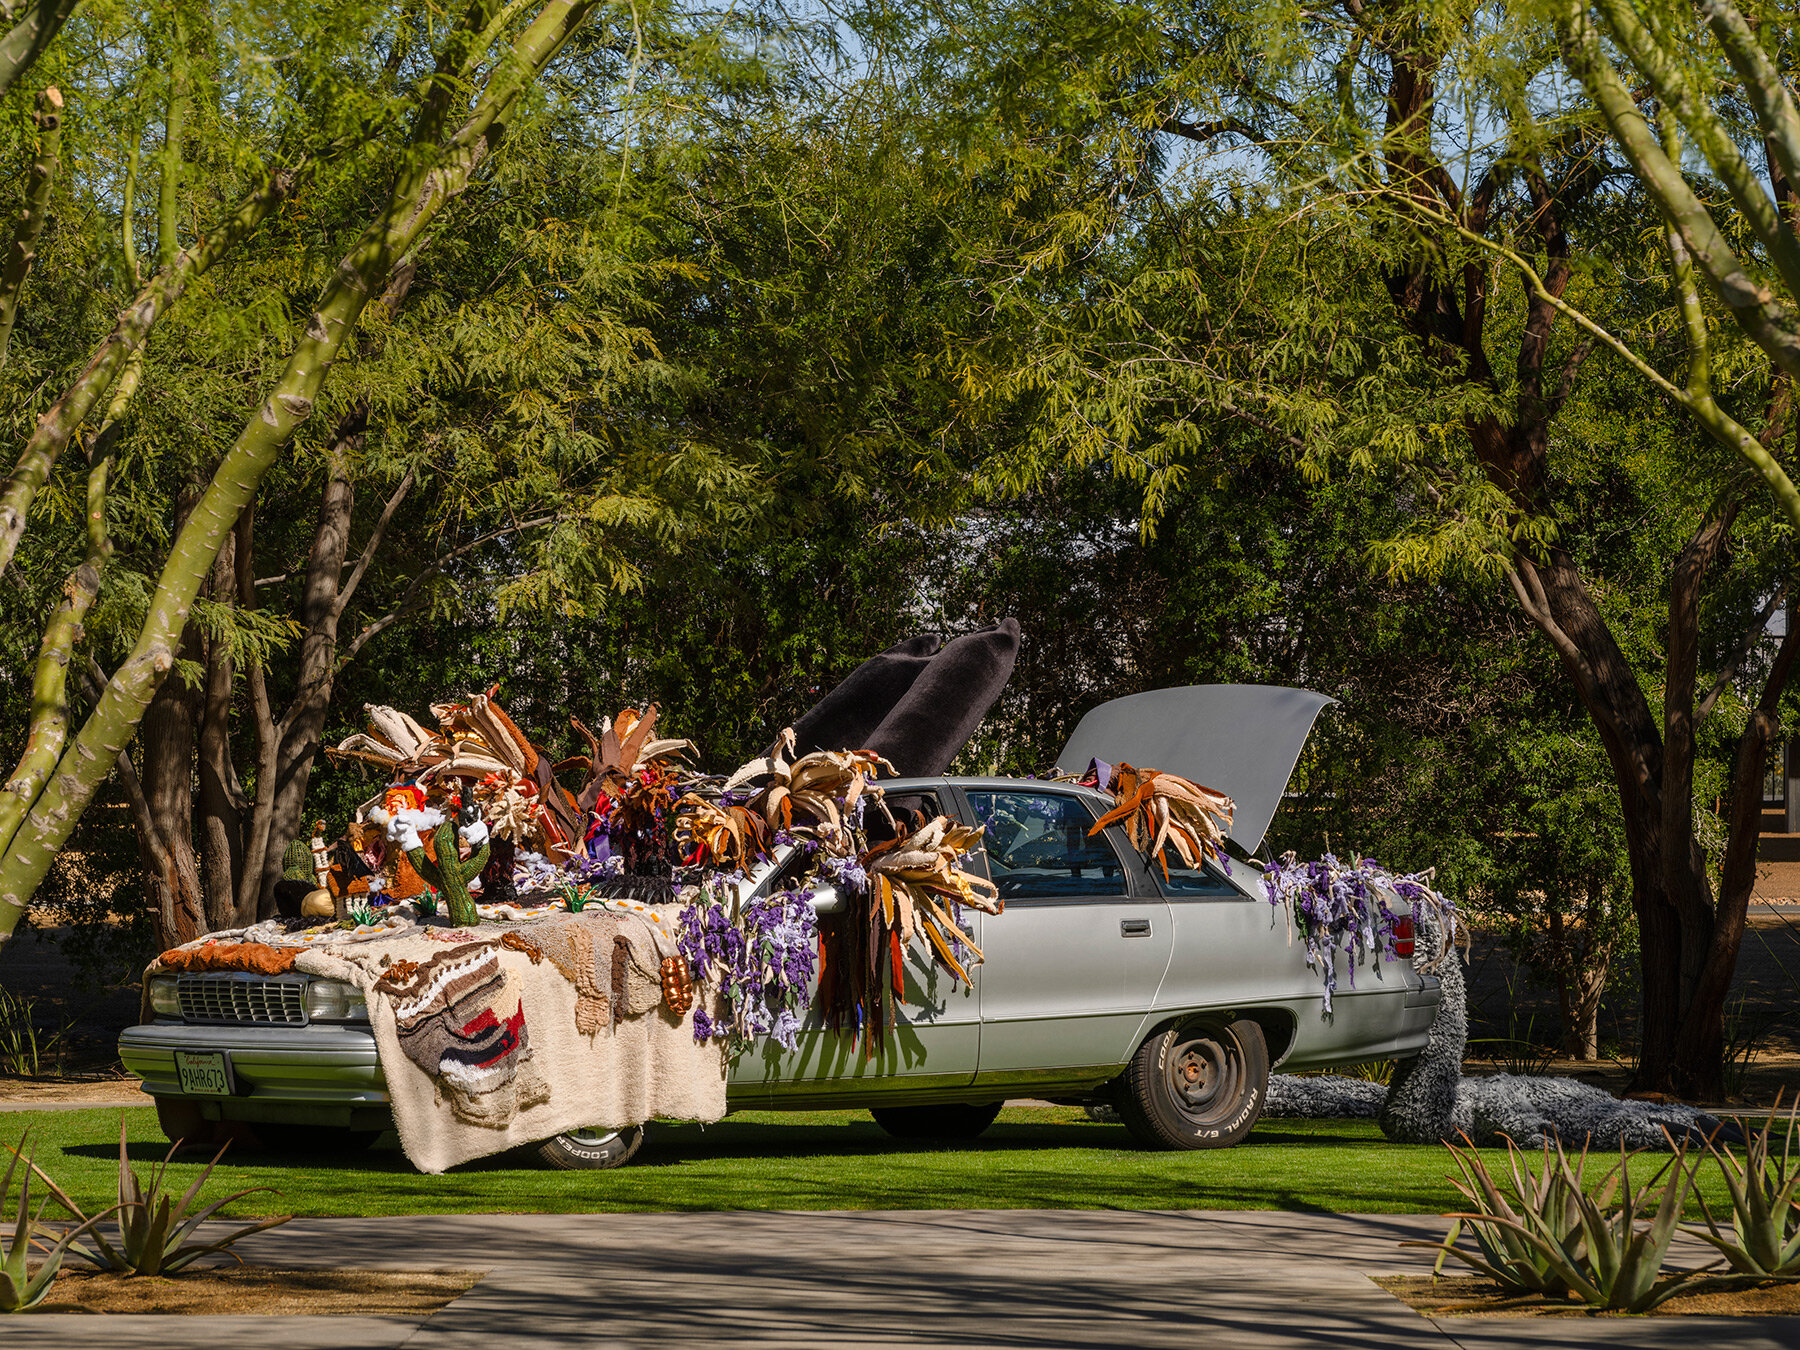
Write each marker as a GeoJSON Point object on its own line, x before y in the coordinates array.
{"type": "Point", "coordinates": [311, 1074]}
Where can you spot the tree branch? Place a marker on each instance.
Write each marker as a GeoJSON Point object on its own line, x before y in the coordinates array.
{"type": "Point", "coordinates": [1202, 132]}
{"type": "Point", "coordinates": [1762, 317]}
{"type": "Point", "coordinates": [31, 219]}
{"type": "Point", "coordinates": [93, 682]}
{"type": "Point", "coordinates": [374, 541]}
{"type": "Point", "coordinates": [26, 40]}
{"type": "Point", "coordinates": [103, 368]}
{"type": "Point", "coordinates": [1764, 87]}
{"type": "Point", "coordinates": [174, 129]}
{"type": "Point", "coordinates": [49, 730]}
{"type": "Point", "coordinates": [409, 603]}
{"type": "Point", "coordinates": [1752, 634]}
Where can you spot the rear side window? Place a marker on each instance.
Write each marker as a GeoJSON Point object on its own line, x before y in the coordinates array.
{"type": "Point", "coordinates": [1038, 844]}
{"type": "Point", "coordinates": [1192, 881]}
{"type": "Point", "coordinates": [910, 812]}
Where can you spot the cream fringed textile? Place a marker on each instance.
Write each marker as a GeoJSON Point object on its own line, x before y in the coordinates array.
{"type": "Point", "coordinates": [487, 1043]}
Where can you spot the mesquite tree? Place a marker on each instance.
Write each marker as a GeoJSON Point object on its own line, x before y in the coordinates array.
{"type": "Point", "coordinates": [484, 65]}
{"type": "Point", "coordinates": [1317, 228]}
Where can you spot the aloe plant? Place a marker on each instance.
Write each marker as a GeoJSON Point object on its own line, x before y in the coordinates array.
{"type": "Point", "coordinates": [1560, 1239]}
{"type": "Point", "coordinates": [155, 1231]}
{"type": "Point", "coordinates": [1764, 1240]}
{"type": "Point", "coordinates": [1525, 1242]}
{"type": "Point", "coordinates": [20, 1287]}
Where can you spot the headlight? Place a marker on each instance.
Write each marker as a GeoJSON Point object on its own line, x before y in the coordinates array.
{"type": "Point", "coordinates": [162, 996]}
{"type": "Point", "coordinates": [335, 1001]}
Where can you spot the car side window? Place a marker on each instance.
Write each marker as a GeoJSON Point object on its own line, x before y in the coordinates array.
{"type": "Point", "coordinates": [1038, 844]}
{"type": "Point", "coordinates": [1195, 883]}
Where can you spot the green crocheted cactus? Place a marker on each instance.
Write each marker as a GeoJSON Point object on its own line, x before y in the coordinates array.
{"type": "Point", "coordinates": [449, 875]}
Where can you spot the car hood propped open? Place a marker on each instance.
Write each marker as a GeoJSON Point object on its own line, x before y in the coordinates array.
{"type": "Point", "coordinates": [1241, 739]}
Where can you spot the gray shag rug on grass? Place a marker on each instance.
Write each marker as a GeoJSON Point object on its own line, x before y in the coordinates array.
{"type": "Point", "coordinates": [1429, 1099]}
{"type": "Point", "coordinates": [1507, 1106]}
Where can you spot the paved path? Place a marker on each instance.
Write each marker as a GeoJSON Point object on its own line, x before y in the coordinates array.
{"type": "Point", "coordinates": [1015, 1279]}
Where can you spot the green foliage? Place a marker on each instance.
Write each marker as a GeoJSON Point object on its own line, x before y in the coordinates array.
{"type": "Point", "coordinates": [27, 1049]}
{"type": "Point", "coordinates": [155, 1229]}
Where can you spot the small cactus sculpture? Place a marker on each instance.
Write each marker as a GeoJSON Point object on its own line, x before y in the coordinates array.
{"type": "Point", "coordinates": [450, 875]}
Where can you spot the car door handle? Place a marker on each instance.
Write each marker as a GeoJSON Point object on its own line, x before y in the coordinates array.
{"type": "Point", "coordinates": [1134, 928]}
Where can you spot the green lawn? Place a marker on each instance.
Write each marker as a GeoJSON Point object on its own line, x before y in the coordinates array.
{"type": "Point", "coordinates": [1052, 1158]}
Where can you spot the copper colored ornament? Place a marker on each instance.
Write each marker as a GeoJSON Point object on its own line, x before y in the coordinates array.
{"type": "Point", "coordinates": [677, 985]}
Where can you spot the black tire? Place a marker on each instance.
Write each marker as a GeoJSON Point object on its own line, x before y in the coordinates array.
{"type": "Point", "coordinates": [318, 1141]}
{"type": "Point", "coordinates": [591, 1150]}
{"type": "Point", "coordinates": [181, 1120]}
{"type": "Point", "coordinates": [1196, 1086]}
{"type": "Point", "coordinates": [949, 1120]}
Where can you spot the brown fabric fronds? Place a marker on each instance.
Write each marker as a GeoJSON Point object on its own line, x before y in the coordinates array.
{"type": "Point", "coordinates": [519, 944]}
{"type": "Point", "coordinates": [621, 972]}
{"type": "Point", "coordinates": [590, 999]}
{"type": "Point", "coordinates": [400, 970]}
{"type": "Point", "coordinates": [254, 957]}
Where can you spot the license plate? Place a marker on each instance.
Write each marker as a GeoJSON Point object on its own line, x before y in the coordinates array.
{"type": "Point", "coordinates": [204, 1073]}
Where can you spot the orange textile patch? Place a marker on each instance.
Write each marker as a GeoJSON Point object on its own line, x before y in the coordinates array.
{"type": "Point", "coordinates": [251, 956]}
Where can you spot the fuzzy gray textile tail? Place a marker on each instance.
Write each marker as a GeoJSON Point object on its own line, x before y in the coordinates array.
{"type": "Point", "coordinates": [1420, 1107]}
{"type": "Point", "coordinates": [1429, 1099]}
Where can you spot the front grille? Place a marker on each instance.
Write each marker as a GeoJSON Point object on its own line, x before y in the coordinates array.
{"type": "Point", "coordinates": [240, 998]}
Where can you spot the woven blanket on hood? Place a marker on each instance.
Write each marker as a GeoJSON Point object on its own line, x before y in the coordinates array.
{"type": "Point", "coordinates": [506, 1034]}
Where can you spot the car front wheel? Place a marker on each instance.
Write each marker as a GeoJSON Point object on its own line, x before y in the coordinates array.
{"type": "Point", "coordinates": [591, 1150]}
{"type": "Point", "coordinates": [1196, 1086]}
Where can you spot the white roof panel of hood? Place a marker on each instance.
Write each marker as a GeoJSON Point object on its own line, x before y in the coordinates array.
{"type": "Point", "coordinates": [1240, 739]}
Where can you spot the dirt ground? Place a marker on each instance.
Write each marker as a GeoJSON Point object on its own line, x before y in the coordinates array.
{"type": "Point", "coordinates": [256, 1290]}
{"type": "Point", "coordinates": [1456, 1296]}
{"type": "Point", "coordinates": [87, 1090]}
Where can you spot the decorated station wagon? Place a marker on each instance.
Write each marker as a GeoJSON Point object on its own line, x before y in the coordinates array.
{"type": "Point", "coordinates": [922, 946]}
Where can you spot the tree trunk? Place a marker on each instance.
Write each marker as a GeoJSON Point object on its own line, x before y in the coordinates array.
{"type": "Point", "coordinates": [171, 871]}
{"type": "Point", "coordinates": [1610, 691]}
{"type": "Point", "coordinates": [1700, 1043]}
{"type": "Point", "coordinates": [303, 723]}
{"type": "Point", "coordinates": [1581, 962]}
{"type": "Point", "coordinates": [221, 800]}
{"type": "Point", "coordinates": [1579, 996]}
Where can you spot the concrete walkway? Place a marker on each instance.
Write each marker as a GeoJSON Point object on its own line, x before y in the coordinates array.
{"type": "Point", "coordinates": [1019, 1279]}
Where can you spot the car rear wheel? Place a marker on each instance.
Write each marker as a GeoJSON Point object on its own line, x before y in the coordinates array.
{"type": "Point", "coordinates": [948, 1120]}
{"type": "Point", "coordinates": [591, 1150]}
{"type": "Point", "coordinates": [1196, 1086]}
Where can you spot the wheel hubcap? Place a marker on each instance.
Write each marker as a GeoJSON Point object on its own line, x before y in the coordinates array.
{"type": "Point", "coordinates": [591, 1138]}
{"type": "Point", "coordinates": [1203, 1078]}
